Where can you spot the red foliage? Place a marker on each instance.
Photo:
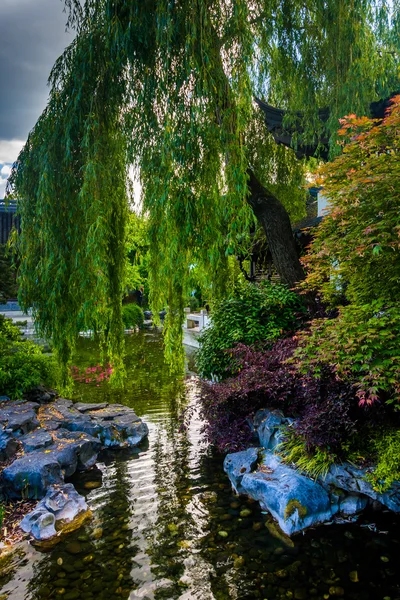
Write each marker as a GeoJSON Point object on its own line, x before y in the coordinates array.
{"type": "Point", "coordinates": [326, 408]}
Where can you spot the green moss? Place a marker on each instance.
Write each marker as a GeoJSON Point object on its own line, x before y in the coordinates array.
{"type": "Point", "coordinates": [291, 508]}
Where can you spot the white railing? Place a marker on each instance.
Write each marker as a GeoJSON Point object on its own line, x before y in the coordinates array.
{"type": "Point", "coordinates": [196, 320]}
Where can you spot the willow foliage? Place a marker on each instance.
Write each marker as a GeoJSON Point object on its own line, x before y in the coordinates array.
{"type": "Point", "coordinates": [167, 86]}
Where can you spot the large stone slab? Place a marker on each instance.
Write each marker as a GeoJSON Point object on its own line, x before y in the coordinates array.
{"type": "Point", "coordinates": [35, 440]}
{"type": "Point", "coordinates": [83, 407]}
{"type": "Point", "coordinates": [114, 425]}
{"type": "Point", "coordinates": [74, 450]}
{"type": "Point", "coordinates": [31, 475]}
{"type": "Point", "coordinates": [120, 426]}
{"type": "Point", "coordinates": [61, 413]}
{"type": "Point", "coordinates": [64, 440]}
{"type": "Point", "coordinates": [19, 417]}
{"type": "Point", "coordinates": [294, 500]}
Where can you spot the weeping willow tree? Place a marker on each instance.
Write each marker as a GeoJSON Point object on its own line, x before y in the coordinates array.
{"type": "Point", "coordinates": [166, 87]}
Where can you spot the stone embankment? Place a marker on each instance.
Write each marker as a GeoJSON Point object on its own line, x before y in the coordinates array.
{"type": "Point", "coordinates": [45, 441]}
{"type": "Point", "coordinates": [293, 499]}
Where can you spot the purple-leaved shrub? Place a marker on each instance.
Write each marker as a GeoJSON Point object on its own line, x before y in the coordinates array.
{"type": "Point", "coordinates": [326, 409]}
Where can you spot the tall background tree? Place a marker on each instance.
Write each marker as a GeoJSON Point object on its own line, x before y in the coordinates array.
{"type": "Point", "coordinates": [168, 87]}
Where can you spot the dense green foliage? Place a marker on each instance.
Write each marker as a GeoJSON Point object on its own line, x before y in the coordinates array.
{"type": "Point", "coordinates": [167, 88]}
{"type": "Point", "coordinates": [354, 262]}
{"type": "Point", "coordinates": [315, 462]}
{"type": "Point", "coordinates": [22, 362]}
{"type": "Point", "coordinates": [343, 381]}
{"type": "Point", "coordinates": [250, 313]}
{"type": "Point", "coordinates": [385, 445]}
{"type": "Point", "coordinates": [8, 288]}
{"type": "Point", "coordinates": [137, 253]}
{"type": "Point", "coordinates": [132, 316]}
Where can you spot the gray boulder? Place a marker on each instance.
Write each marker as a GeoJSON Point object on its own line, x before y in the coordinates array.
{"type": "Point", "coordinates": [268, 425]}
{"type": "Point", "coordinates": [61, 413]}
{"type": "Point", "coordinates": [31, 475]}
{"type": "Point", "coordinates": [294, 500]}
{"type": "Point", "coordinates": [352, 479]}
{"type": "Point", "coordinates": [8, 445]}
{"type": "Point", "coordinates": [237, 464]}
{"type": "Point", "coordinates": [117, 426]}
{"type": "Point", "coordinates": [75, 448]}
{"type": "Point", "coordinates": [61, 505]}
{"type": "Point", "coordinates": [40, 523]}
{"type": "Point", "coordinates": [120, 426]}
{"type": "Point", "coordinates": [352, 504]}
{"type": "Point", "coordinates": [35, 440]}
{"type": "Point", "coordinates": [19, 416]}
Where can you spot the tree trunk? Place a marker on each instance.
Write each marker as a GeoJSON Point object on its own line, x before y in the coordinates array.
{"type": "Point", "coordinates": [273, 218]}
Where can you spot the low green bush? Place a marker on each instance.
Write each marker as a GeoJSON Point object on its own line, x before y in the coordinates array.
{"type": "Point", "coordinates": [314, 463]}
{"type": "Point", "coordinates": [386, 448]}
{"type": "Point", "coordinates": [252, 313]}
{"type": "Point", "coordinates": [22, 362]}
{"type": "Point", "coordinates": [132, 316]}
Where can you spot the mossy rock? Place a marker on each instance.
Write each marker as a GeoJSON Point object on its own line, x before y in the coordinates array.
{"type": "Point", "coordinates": [291, 508]}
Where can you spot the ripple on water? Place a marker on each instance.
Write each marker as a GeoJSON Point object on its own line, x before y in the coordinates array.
{"type": "Point", "coordinates": [167, 526]}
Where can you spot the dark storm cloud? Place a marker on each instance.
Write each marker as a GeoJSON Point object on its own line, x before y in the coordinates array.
{"type": "Point", "coordinates": [32, 36]}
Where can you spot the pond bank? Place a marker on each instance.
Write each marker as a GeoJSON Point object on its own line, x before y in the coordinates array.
{"type": "Point", "coordinates": [48, 440]}
{"type": "Point", "coordinates": [295, 500]}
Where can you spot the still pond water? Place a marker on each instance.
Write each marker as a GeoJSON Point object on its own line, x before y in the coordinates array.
{"type": "Point", "coordinates": [166, 525]}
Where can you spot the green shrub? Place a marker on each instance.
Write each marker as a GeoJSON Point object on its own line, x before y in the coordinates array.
{"type": "Point", "coordinates": [252, 313]}
{"type": "Point", "coordinates": [22, 363]}
{"type": "Point", "coordinates": [364, 345]}
{"type": "Point", "coordinates": [194, 303]}
{"type": "Point", "coordinates": [314, 463]}
{"type": "Point", "coordinates": [132, 316]}
{"type": "Point", "coordinates": [354, 261]}
{"type": "Point", "coordinates": [386, 447]}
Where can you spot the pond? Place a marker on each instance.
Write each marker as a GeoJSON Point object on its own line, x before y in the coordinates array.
{"type": "Point", "coordinates": [166, 525]}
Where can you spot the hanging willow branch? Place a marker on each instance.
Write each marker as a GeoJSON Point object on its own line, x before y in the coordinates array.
{"type": "Point", "coordinates": [167, 87]}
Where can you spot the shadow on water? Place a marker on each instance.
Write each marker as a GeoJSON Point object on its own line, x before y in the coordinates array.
{"type": "Point", "coordinates": [166, 525]}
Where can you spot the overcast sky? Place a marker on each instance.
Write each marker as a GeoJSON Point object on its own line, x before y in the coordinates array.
{"type": "Point", "coordinates": [32, 36]}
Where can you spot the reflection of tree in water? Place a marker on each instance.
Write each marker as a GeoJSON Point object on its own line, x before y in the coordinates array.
{"type": "Point", "coordinates": [182, 517]}
{"type": "Point", "coordinates": [148, 377]}
{"type": "Point", "coordinates": [96, 561]}
{"type": "Point", "coordinates": [171, 478]}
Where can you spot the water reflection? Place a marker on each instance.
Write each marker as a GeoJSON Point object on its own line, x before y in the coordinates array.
{"type": "Point", "coordinates": [167, 526]}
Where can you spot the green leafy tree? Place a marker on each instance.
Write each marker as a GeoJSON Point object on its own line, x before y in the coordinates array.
{"type": "Point", "coordinates": [8, 287]}
{"type": "Point", "coordinates": [354, 261]}
{"type": "Point", "coordinates": [168, 88]}
{"type": "Point", "coordinates": [137, 250]}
